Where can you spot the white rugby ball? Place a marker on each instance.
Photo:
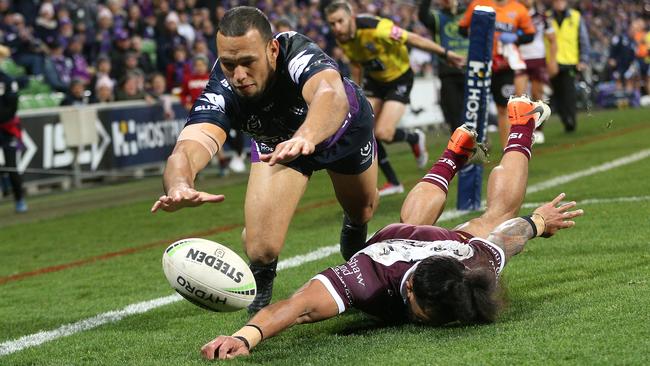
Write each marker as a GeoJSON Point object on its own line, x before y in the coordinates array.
{"type": "Point", "coordinates": [209, 274]}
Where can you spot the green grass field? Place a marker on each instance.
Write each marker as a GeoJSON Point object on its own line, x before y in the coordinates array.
{"type": "Point", "coordinates": [581, 297]}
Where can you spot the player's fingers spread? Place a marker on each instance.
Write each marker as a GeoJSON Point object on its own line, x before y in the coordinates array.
{"type": "Point", "coordinates": [567, 205]}
{"type": "Point", "coordinates": [572, 214]}
{"type": "Point", "coordinates": [557, 199]}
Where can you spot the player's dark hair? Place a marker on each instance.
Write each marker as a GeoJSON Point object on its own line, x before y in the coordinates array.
{"type": "Point", "coordinates": [237, 21]}
{"type": "Point", "coordinates": [447, 291]}
{"type": "Point", "coordinates": [334, 6]}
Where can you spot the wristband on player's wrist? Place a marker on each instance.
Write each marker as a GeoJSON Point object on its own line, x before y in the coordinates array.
{"type": "Point", "coordinates": [243, 339]}
{"type": "Point", "coordinates": [252, 333]}
{"type": "Point", "coordinates": [445, 54]}
{"type": "Point", "coordinates": [537, 222]}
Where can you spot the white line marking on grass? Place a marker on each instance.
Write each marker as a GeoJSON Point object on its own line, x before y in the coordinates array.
{"type": "Point", "coordinates": [587, 172]}
{"type": "Point", "coordinates": [595, 201]}
{"type": "Point", "coordinates": [39, 338]}
{"type": "Point", "coordinates": [86, 324]}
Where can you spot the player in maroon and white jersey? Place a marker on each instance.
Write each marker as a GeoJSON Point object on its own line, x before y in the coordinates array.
{"type": "Point", "coordinates": [416, 272]}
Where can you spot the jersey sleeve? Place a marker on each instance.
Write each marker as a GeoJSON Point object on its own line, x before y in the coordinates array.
{"type": "Point", "coordinates": [388, 31]}
{"type": "Point", "coordinates": [525, 22]}
{"type": "Point", "coordinates": [304, 58]}
{"type": "Point", "coordinates": [488, 253]}
{"type": "Point", "coordinates": [212, 106]}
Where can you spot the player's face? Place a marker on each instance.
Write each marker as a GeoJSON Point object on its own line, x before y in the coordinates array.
{"type": "Point", "coordinates": [248, 62]}
{"type": "Point", "coordinates": [415, 313]}
{"type": "Point", "coordinates": [341, 24]}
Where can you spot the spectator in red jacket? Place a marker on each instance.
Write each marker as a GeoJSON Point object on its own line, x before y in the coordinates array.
{"type": "Point", "coordinates": [195, 82]}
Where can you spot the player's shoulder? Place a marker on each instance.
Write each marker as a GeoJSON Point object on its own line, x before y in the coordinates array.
{"type": "Point", "coordinates": [367, 21]}
{"type": "Point", "coordinates": [293, 43]}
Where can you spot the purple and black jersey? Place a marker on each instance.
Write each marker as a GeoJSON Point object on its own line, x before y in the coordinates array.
{"type": "Point", "coordinates": [281, 110]}
{"type": "Point", "coordinates": [373, 281]}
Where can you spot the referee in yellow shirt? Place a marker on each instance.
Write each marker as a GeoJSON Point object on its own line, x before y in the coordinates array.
{"type": "Point", "coordinates": [377, 49]}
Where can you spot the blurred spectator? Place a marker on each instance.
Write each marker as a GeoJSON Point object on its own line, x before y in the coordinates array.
{"type": "Point", "coordinates": [168, 41]}
{"type": "Point", "coordinates": [119, 14]}
{"type": "Point", "coordinates": [201, 48]}
{"type": "Point", "coordinates": [283, 25]}
{"type": "Point", "coordinates": [103, 35]}
{"type": "Point", "coordinates": [80, 67]}
{"type": "Point", "coordinates": [102, 69]}
{"type": "Point", "coordinates": [195, 82]}
{"type": "Point", "coordinates": [104, 90]}
{"type": "Point", "coordinates": [10, 133]}
{"type": "Point", "coordinates": [46, 25]}
{"type": "Point", "coordinates": [622, 60]}
{"type": "Point", "coordinates": [120, 49]}
{"type": "Point", "coordinates": [156, 92]}
{"type": "Point", "coordinates": [130, 88]}
{"type": "Point", "coordinates": [58, 68]}
{"type": "Point", "coordinates": [210, 36]}
{"type": "Point", "coordinates": [77, 95]}
{"type": "Point", "coordinates": [28, 50]}
{"type": "Point", "coordinates": [135, 22]}
{"type": "Point", "coordinates": [185, 29]}
{"type": "Point", "coordinates": [177, 70]}
{"type": "Point", "coordinates": [144, 61]}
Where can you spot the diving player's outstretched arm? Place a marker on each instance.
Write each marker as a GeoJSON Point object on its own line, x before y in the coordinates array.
{"type": "Point", "coordinates": [196, 145]}
{"type": "Point", "coordinates": [328, 107]}
{"type": "Point", "coordinates": [545, 221]}
{"type": "Point", "coordinates": [310, 304]}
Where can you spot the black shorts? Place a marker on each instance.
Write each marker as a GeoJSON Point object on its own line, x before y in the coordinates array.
{"type": "Point", "coordinates": [353, 153]}
{"type": "Point", "coordinates": [502, 86]}
{"type": "Point", "coordinates": [398, 89]}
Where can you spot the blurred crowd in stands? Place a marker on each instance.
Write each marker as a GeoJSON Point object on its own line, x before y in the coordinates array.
{"type": "Point", "coordinates": [113, 50]}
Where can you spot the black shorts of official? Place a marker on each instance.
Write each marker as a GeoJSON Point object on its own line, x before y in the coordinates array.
{"type": "Point", "coordinates": [398, 89]}
{"type": "Point", "coordinates": [352, 154]}
{"type": "Point", "coordinates": [503, 86]}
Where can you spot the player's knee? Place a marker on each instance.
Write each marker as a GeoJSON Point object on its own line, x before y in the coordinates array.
{"type": "Point", "coordinates": [385, 134]}
{"type": "Point", "coordinates": [363, 215]}
{"type": "Point", "coordinates": [261, 251]}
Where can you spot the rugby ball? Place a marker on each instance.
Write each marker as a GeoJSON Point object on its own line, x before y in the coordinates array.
{"type": "Point", "coordinates": [209, 275]}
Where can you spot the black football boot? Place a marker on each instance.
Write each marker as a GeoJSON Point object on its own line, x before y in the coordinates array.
{"type": "Point", "coordinates": [264, 275]}
{"type": "Point", "coordinates": [353, 238]}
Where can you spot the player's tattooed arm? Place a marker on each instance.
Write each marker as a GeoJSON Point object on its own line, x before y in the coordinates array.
{"type": "Point", "coordinates": [545, 221]}
{"type": "Point", "coordinates": [512, 235]}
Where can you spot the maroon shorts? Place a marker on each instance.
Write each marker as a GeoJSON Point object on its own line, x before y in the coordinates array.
{"type": "Point", "coordinates": [536, 70]}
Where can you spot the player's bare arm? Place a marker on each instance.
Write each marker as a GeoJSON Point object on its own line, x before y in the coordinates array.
{"type": "Point", "coordinates": [328, 107]}
{"type": "Point", "coordinates": [196, 145]}
{"type": "Point", "coordinates": [311, 303]}
{"type": "Point", "coordinates": [417, 41]}
{"type": "Point", "coordinates": [545, 221]}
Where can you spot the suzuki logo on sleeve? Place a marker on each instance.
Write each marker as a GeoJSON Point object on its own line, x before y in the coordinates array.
{"type": "Point", "coordinates": [216, 100]}
{"type": "Point", "coordinates": [298, 64]}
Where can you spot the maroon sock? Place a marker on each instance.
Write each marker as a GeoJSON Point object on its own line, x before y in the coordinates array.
{"type": "Point", "coordinates": [443, 171]}
{"type": "Point", "coordinates": [521, 138]}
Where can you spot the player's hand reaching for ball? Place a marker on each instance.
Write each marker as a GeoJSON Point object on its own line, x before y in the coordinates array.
{"type": "Point", "coordinates": [184, 196]}
{"type": "Point", "coordinates": [224, 348]}
{"type": "Point", "coordinates": [557, 216]}
{"type": "Point", "coordinates": [289, 150]}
